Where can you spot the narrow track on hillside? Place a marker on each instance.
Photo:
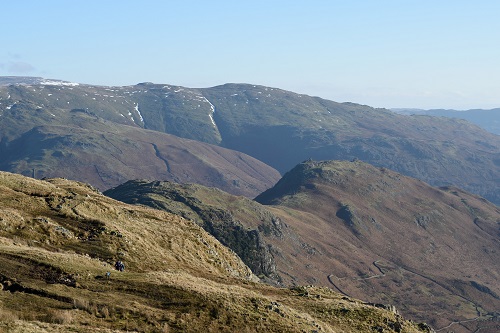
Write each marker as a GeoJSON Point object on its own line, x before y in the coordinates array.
{"type": "Point", "coordinates": [336, 287]}
{"type": "Point", "coordinates": [480, 317]}
{"type": "Point", "coordinates": [375, 263]}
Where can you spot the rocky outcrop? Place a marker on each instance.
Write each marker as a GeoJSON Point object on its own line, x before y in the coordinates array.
{"type": "Point", "coordinates": [246, 240]}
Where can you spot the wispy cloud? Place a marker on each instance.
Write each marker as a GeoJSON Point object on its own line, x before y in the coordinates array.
{"type": "Point", "coordinates": [14, 55]}
{"type": "Point", "coordinates": [19, 67]}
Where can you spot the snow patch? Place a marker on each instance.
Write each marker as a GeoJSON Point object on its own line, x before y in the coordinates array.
{"type": "Point", "coordinates": [131, 116]}
{"type": "Point", "coordinates": [139, 112]}
{"type": "Point", "coordinates": [212, 119]}
{"type": "Point", "coordinates": [59, 83]}
{"type": "Point", "coordinates": [212, 111]}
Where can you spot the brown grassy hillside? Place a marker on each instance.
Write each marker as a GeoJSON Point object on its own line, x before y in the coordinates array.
{"type": "Point", "coordinates": [388, 237]}
{"type": "Point", "coordinates": [106, 154]}
{"type": "Point", "coordinates": [364, 231]}
{"type": "Point", "coordinates": [59, 238]}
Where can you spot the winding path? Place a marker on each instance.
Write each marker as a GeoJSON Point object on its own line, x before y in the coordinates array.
{"type": "Point", "coordinates": [331, 278]}
{"type": "Point", "coordinates": [375, 263]}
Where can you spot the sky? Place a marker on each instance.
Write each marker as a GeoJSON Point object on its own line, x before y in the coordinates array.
{"type": "Point", "coordinates": [382, 53]}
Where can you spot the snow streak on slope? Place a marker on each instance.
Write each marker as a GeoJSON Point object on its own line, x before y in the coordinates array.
{"type": "Point", "coordinates": [212, 111]}
{"type": "Point", "coordinates": [138, 112]}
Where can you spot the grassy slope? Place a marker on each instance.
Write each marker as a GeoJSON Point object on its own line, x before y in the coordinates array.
{"type": "Point", "coordinates": [58, 238]}
{"type": "Point", "coordinates": [237, 222]}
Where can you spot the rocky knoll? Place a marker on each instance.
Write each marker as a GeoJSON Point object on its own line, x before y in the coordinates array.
{"type": "Point", "coordinates": [380, 234]}
{"type": "Point", "coordinates": [218, 213]}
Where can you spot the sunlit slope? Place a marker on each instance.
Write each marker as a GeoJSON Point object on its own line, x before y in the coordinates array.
{"type": "Point", "coordinates": [59, 238]}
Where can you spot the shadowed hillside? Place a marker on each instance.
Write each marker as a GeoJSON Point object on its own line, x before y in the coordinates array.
{"type": "Point", "coordinates": [59, 238]}
{"type": "Point", "coordinates": [282, 128]}
{"type": "Point", "coordinates": [82, 145]}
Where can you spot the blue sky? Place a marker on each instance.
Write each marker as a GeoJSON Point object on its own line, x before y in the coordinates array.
{"type": "Point", "coordinates": [383, 53]}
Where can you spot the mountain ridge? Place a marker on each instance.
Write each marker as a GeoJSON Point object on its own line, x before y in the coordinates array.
{"type": "Point", "coordinates": [277, 127]}
{"type": "Point", "coordinates": [323, 215]}
{"type": "Point", "coordinates": [489, 119]}
{"type": "Point", "coordinates": [105, 151]}
{"type": "Point", "coordinates": [367, 232]}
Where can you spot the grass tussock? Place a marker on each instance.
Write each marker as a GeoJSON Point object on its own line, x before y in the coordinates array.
{"type": "Point", "coordinates": [7, 316]}
{"type": "Point", "coordinates": [63, 317]}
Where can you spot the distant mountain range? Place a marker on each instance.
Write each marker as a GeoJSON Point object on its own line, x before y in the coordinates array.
{"type": "Point", "coordinates": [487, 119]}
{"type": "Point", "coordinates": [57, 140]}
{"type": "Point", "coordinates": [8, 80]}
{"type": "Point", "coordinates": [277, 127]}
